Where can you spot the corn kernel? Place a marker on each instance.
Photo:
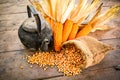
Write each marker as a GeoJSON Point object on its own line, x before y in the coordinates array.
{"type": "Point", "coordinates": [68, 60]}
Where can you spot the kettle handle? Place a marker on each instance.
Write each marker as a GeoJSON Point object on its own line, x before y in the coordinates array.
{"type": "Point", "coordinates": [31, 9]}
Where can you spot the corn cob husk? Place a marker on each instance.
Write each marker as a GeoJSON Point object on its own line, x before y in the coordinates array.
{"type": "Point", "coordinates": [53, 8]}
{"type": "Point", "coordinates": [73, 32]}
{"type": "Point", "coordinates": [62, 10]}
{"type": "Point", "coordinates": [98, 20]}
{"type": "Point", "coordinates": [68, 11]}
{"type": "Point", "coordinates": [38, 7]}
{"type": "Point", "coordinates": [58, 36]}
{"type": "Point", "coordinates": [67, 30]}
{"type": "Point", "coordinates": [102, 18]}
{"type": "Point", "coordinates": [88, 28]}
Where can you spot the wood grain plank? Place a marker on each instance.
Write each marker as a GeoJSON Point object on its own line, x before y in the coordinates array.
{"type": "Point", "coordinates": [13, 13]}
{"type": "Point", "coordinates": [19, 16]}
{"type": "Point", "coordinates": [104, 74]}
{"type": "Point", "coordinates": [13, 1]}
{"type": "Point", "coordinates": [111, 3]}
{"type": "Point", "coordinates": [11, 22]}
{"type": "Point", "coordinates": [11, 63]}
{"type": "Point", "coordinates": [107, 34]}
{"type": "Point", "coordinates": [13, 6]}
{"type": "Point", "coordinates": [102, 71]}
{"type": "Point", "coordinates": [10, 8]}
{"type": "Point", "coordinates": [107, 3]}
{"type": "Point", "coordinates": [113, 33]}
{"type": "Point", "coordinates": [9, 41]}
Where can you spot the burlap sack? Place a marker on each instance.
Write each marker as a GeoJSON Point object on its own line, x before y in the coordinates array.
{"type": "Point", "coordinates": [92, 49]}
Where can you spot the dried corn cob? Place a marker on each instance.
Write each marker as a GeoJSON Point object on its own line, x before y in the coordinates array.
{"type": "Point", "coordinates": [66, 13]}
{"type": "Point", "coordinates": [58, 36]}
{"type": "Point", "coordinates": [66, 30]}
{"type": "Point", "coordinates": [98, 19]}
{"type": "Point", "coordinates": [74, 31]}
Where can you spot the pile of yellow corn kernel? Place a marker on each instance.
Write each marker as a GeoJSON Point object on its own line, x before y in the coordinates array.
{"type": "Point", "coordinates": [42, 59]}
{"type": "Point", "coordinates": [69, 60]}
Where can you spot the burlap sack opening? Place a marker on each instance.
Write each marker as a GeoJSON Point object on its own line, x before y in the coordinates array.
{"type": "Point", "coordinates": [93, 50]}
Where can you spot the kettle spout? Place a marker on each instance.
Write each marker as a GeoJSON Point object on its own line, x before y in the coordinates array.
{"type": "Point", "coordinates": [44, 45]}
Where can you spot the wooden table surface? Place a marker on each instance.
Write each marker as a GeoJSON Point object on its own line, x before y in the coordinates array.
{"type": "Point", "coordinates": [12, 52]}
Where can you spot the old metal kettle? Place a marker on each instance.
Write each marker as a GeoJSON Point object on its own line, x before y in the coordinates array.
{"type": "Point", "coordinates": [39, 38]}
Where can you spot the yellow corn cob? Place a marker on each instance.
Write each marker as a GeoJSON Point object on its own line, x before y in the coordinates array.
{"type": "Point", "coordinates": [58, 36]}
{"type": "Point", "coordinates": [73, 32]}
{"type": "Point", "coordinates": [66, 30]}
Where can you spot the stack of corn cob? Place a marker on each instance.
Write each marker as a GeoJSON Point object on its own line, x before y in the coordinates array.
{"type": "Point", "coordinates": [65, 17]}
